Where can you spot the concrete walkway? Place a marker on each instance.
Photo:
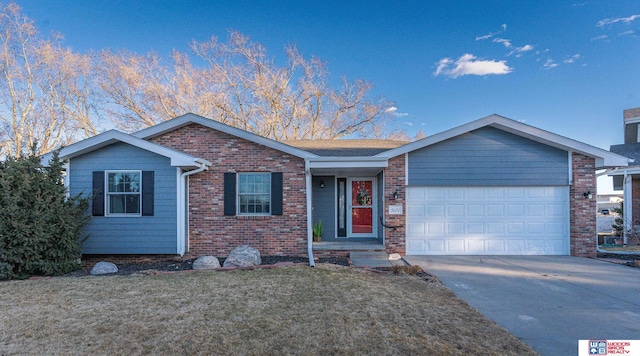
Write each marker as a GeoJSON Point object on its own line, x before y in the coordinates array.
{"type": "Point", "coordinates": [550, 302]}
{"type": "Point", "coordinates": [373, 259]}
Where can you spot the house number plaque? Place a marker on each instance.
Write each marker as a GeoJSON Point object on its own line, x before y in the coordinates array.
{"type": "Point", "coordinates": [395, 209]}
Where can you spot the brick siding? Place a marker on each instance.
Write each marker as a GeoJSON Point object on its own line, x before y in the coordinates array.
{"type": "Point", "coordinates": [631, 113]}
{"type": "Point", "coordinates": [635, 201]}
{"type": "Point", "coordinates": [394, 176]}
{"type": "Point", "coordinates": [213, 233]}
{"type": "Point", "coordinates": [582, 211]}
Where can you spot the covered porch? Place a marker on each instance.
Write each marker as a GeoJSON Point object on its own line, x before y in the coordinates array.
{"type": "Point", "coordinates": [346, 193]}
{"type": "Point", "coordinates": [349, 205]}
{"type": "Point", "coordinates": [628, 180]}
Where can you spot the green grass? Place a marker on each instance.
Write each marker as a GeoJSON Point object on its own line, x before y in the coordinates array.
{"type": "Point", "coordinates": [293, 310]}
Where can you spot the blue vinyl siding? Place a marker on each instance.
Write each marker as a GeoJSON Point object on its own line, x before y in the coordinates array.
{"type": "Point", "coordinates": [488, 157]}
{"type": "Point", "coordinates": [324, 205]}
{"type": "Point", "coordinates": [129, 235]}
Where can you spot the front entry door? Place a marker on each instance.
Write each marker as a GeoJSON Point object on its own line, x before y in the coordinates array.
{"type": "Point", "coordinates": [361, 206]}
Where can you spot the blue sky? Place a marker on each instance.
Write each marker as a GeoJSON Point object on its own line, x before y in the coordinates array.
{"type": "Point", "coordinates": [570, 67]}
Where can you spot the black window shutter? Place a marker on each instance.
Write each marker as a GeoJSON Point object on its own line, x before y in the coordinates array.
{"type": "Point", "coordinates": [229, 194]}
{"type": "Point", "coordinates": [97, 206]}
{"type": "Point", "coordinates": [147, 193]}
{"type": "Point", "coordinates": [276, 193]}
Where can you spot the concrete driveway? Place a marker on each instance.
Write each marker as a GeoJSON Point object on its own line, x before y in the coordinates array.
{"type": "Point", "coordinates": [550, 302]}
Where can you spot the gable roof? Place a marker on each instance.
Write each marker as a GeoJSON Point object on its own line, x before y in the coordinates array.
{"type": "Point", "coordinates": [631, 150]}
{"type": "Point", "coordinates": [603, 158]}
{"type": "Point", "coordinates": [191, 118]}
{"type": "Point", "coordinates": [345, 147]}
{"type": "Point", "coordinates": [178, 159]}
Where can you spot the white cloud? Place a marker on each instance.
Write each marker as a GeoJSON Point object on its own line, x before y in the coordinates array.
{"type": "Point", "coordinates": [627, 33]}
{"type": "Point", "coordinates": [525, 48]}
{"type": "Point", "coordinates": [550, 64]}
{"type": "Point", "coordinates": [519, 51]}
{"type": "Point", "coordinates": [619, 19]}
{"type": "Point", "coordinates": [504, 41]}
{"type": "Point", "coordinates": [443, 64]}
{"type": "Point", "coordinates": [408, 123]}
{"type": "Point", "coordinates": [572, 59]}
{"type": "Point", "coordinates": [597, 38]}
{"type": "Point", "coordinates": [503, 28]}
{"type": "Point", "coordinates": [486, 37]}
{"type": "Point", "coordinates": [394, 111]}
{"type": "Point", "coordinates": [467, 64]}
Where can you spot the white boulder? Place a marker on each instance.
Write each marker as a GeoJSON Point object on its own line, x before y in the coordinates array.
{"type": "Point", "coordinates": [104, 268]}
{"type": "Point", "coordinates": [206, 262]}
{"type": "Point", "coordinates": [243, 256]}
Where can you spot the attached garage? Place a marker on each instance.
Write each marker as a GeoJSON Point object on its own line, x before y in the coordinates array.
{"type": "Point", "coordinates": [488, 192]}
{"type": "Point", "coordinates": [493, 186]}
{"type": "Point", "coordinates": [488, 220]}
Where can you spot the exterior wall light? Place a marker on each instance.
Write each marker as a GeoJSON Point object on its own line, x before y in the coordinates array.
{"type": "Point", "coordinates": [321, 184]}
{"type": "Point", "coordinates": [587, 194]}
{"type": "Point", "coordinates": [395, 195]}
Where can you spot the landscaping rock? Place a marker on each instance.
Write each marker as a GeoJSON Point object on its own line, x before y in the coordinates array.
{"type": "Point", "coordinates": [636, 263]}
{"type": "Point", "coordinates": [206, 262]}
{"type": "Point", "coordinates": [104, 268]}
{"type": "Point", "coordinates": [243, 256]}
{"type": "Point", "coordinates": [395, 257]}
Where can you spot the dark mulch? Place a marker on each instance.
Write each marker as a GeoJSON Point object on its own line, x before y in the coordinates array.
{"type": "Point", "coordinates": [413, 271]}
{"type": "Point", "coordinates": [125, 269]}
{"type": "Point", "coordinates": [619, 256]}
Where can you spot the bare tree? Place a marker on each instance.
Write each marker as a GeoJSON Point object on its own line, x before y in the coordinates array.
{"type": "Point", "coordinates": [44, 95]}
{"type": "Point", "coordinates": [240, 86]}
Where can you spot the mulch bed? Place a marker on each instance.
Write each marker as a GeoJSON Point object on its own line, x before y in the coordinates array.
{"type": "Point", "coordinates": [619, 256]}
{"type": "Point", "coordinates": [125, 269]}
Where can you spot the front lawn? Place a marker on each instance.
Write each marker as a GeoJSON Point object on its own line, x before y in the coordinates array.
{"type": "Point", "coordinates": [293, 310]}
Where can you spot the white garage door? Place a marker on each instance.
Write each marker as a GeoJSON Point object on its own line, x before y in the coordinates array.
{"type": "Point", "coordinates": [488, 220]}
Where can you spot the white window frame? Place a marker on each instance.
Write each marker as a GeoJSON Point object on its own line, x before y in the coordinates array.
{"type": "Point", "coordinates": [107, 205]}
{"type": "Point", "coordinates": [239, 194]}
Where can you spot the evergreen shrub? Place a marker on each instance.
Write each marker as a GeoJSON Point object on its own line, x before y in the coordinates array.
{"type": "Point", "coordinates": [40, 226]}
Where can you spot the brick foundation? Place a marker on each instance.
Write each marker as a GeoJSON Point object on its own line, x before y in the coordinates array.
{"type": "Point", "coordinates": [582, 210]}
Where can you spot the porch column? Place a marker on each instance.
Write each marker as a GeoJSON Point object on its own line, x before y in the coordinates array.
{"type": "Point", "coordinates": [308, 189]}
{"type": "Point", "coordinates": [628, 205]}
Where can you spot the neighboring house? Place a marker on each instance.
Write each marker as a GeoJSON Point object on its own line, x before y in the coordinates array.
{"type": "Point", "coordinates": [195, 186]}
{"type": "Point", "coordinates": [608, 202]}
{"type": "Point", "coordinates": [627, 179]}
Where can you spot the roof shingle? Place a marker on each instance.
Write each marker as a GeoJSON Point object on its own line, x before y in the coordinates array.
{"type": "Point", "coordinates": [345, 147]}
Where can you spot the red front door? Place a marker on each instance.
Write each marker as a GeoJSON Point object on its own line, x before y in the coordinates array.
{"type": "Point", "coordinates": [361, 203]}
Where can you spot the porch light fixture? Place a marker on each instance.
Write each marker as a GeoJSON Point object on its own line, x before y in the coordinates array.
{"type": "Point", "coordinates": [395, 195]}
{"type": "Point", "coordinates": [587, 194]}
{"type": "Point", "coordinates": [321, 184]}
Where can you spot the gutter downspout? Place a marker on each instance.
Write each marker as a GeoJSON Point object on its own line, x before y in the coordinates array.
{"type": "Point", "coordinates": [307, 173]}
{"type": "Point", "coordinates": [182, 203]}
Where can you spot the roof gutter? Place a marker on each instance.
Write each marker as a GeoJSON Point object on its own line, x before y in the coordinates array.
{"type": "Point", "coordinates": [307, 173]}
